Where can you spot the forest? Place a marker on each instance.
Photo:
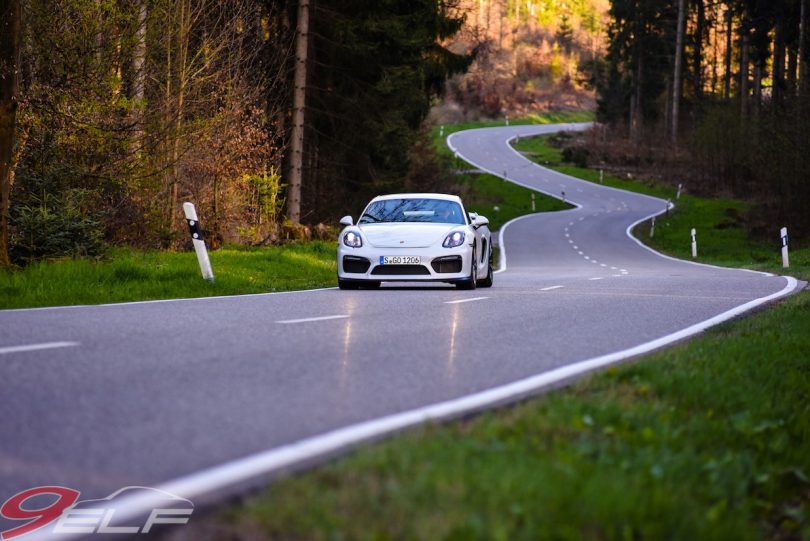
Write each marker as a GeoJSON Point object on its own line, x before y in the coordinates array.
{"type": "Point", "coordinates": [713, 94]}
{"type": "Point", "coordinates": [273, 116]}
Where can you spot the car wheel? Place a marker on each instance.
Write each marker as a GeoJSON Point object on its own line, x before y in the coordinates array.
{"type": "Point", "coordinates": [472, 281]}
{"type": "Point", "coordinates": [487, 282]}
{"type": "Point", "coordinates": [345, 284]}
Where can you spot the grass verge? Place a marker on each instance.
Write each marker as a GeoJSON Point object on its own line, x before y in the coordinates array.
{"type": "Point", "coordinates": [706, 440]}
{"type": "Point", "coordinates": [130, 275]}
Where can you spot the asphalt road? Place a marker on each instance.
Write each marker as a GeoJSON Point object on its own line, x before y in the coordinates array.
{"type": "Point", "coordinates": [151, 392]}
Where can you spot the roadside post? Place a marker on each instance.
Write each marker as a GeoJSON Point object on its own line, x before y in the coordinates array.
{"type": "Point", "coordinates": [652, 228]}
{"type": "Point", "coordinates": [601, 176]}
{"type": "Point", "coordinates": [678, 195]}
{"type": "Point", "coordinates": [506, 117]}
{"type": "Point", "coordinates": [198, 241]}
{"type": "Point", "coordinates": [534, 208]}
{"type": "Point", "coordinates": [694, 243]}
{"type": "Point", "coordinates": [669, 204]}
{"type": "Point", "coordinates": [785, 257]}
{"type": "Point", "coordinates": [441, 130]}
{"type": "Point", "coordinates": [563, 197]}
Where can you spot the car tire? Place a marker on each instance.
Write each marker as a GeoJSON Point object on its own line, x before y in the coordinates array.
{"type": "Point", "coordinates": [345, 284]}
{"type": "Point", "coordinates": [472, 281]}
{"type": "Point", "coordinates": [487, 282]}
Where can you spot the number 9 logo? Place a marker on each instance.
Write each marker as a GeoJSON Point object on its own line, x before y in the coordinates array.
{"type": "Point", "coordinates": [13, 509]}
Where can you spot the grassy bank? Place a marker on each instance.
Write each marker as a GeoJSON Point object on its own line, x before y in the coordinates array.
{"type": "Point", "coordinates": [706, 440]}
{"type": "Point", "coordinates": [129, 275]}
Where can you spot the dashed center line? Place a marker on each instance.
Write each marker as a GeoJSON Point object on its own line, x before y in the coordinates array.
{"type": "Point", "coordinates": [595, 278]}
{"type": "Point", "coordinates": [550, 288]}
{"type": "Point", "coordinates": [459, 301]}
{"type": "Point", "coordinates": [311, 319]}
{"type": "Point", "coordinates": [36, 347]}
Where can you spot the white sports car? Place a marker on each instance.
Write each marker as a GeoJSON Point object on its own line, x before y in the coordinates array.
{"type": "Point", "coordinates": [415, 238]}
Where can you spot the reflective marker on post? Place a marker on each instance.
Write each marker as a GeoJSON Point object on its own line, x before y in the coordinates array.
{"type": "Point", "coordinates": [198, 241]}
{"type": "Point", "coordinates": [694, 243]}
{"type": "Point", "coordinates": [785, 257]}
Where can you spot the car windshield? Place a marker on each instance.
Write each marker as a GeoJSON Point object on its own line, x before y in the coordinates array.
{"type": "Point", "coordinates": [437, 211]}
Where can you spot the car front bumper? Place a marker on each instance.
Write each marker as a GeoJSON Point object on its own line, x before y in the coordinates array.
{"type": "Point", "coordinates": [437, 265]}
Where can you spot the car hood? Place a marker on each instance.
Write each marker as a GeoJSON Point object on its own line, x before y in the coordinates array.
{"type": "Point", "coordinates": [399, 235]}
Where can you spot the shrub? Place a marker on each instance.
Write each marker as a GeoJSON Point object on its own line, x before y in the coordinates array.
{"type": "Point", "coordinates": [55, 226]}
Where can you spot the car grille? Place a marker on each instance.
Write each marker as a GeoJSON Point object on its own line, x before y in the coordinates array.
{"type": "Point", "coordinates": [395, 270]}
{"type": "Point", "coordinates": [451, 264]}
{"type": "Point", "coordinates": [355, 265]}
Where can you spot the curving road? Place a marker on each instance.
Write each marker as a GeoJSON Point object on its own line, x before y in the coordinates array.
{"type": "Point", "coordinates": [202, 396]}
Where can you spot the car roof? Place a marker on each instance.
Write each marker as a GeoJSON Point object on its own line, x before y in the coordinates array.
{"type": "Point", "coordinates": [443, 196]}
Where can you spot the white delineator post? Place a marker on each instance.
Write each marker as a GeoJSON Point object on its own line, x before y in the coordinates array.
{"type": "Point", "coordinates": [534, 208]}
{"type": "Point", "coordinates": [785, 257]}
{"type": "Point", "coordinates": [199, 242]}
{"type": "Point", "coordinates": [694, 243]}
{"type": "Point", "coordinates": [678, 195]}
{"type": "Point", "coordinates": [652, 228]}
{"type": "Point", "coordinates": [441, 130]}
{"type": "Point", "coordinates": [601, 176]}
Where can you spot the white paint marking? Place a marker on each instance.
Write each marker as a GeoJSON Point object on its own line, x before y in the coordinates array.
{"type": "Point", "coordinates": [466, 300]}
{"type": "Point", "coordinates": [586, 257]}
{"type": "Point", "coordinates": [567, 235]}
{"type": "Point", "coordinates": [595, 278]}
{"type": "Point", "coordinates": [310, 319]}
{"type": "Point", "coordinates": [580, 252]}
{"type": "Point", "coordinates": [36, 347]}
{"type": "Point", "coordinates": [550, 288]}
{"type": "Point", "coordinates": [602, 265]}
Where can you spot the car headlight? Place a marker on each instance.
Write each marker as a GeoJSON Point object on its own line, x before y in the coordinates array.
{"type": "Point", "coordinates": [456, 238]}
{"type": "Point", "coordinates": [352, 240]}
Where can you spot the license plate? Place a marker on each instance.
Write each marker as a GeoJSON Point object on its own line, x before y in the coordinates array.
{"type": "Point", "coordinates": [400, 260]}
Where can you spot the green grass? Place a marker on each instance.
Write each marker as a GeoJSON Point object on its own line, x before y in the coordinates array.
{"type": "Point", "coordinates": [487, 193]}
{"type": "Point", "coordinates": [720, 223]}
{"type": "Point", "coordinates": [129, 275]}
{"type": "Point", "coordinates": [707, 440]}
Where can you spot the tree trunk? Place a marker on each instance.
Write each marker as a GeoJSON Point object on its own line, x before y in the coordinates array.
{"type": "Point", "coordinates": [10, 23]}
{"type": "Point", "coordinates": [729, 47]}
{"type": "Point", "coordinates": [744, 71]}
{"type": "Point", "coordinates": [299, 104]}
{"type": "Point", "coordinates": [677, 75]}
{"type": "Point", "coordinates": [139, 54]}
{"type": "Point", "coordinates": [804, 61]}
{"type": "Point", "coordinates": [779, 60]}
{"type": "Point", "coordinates": [758, 69]}
{"type": "Point", "coordinates": [697, 56]}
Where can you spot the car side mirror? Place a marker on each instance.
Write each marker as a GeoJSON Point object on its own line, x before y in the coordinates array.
{"type": "Point", "coordinates": [473, 216]}
{"type": "Point", "coordinates": [347, 221]}
{"type": "Point", "coordinates": [480, 221]}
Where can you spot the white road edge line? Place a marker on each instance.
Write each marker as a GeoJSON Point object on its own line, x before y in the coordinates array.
{"type": "Point", "coordinates": [550, 288]}
{"type": "Point", "coordinates": [459, 301]}
{"type": "Point", "coordinates": [311, 319]}
{"type": "Point", "coordinates": [36, 347]}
